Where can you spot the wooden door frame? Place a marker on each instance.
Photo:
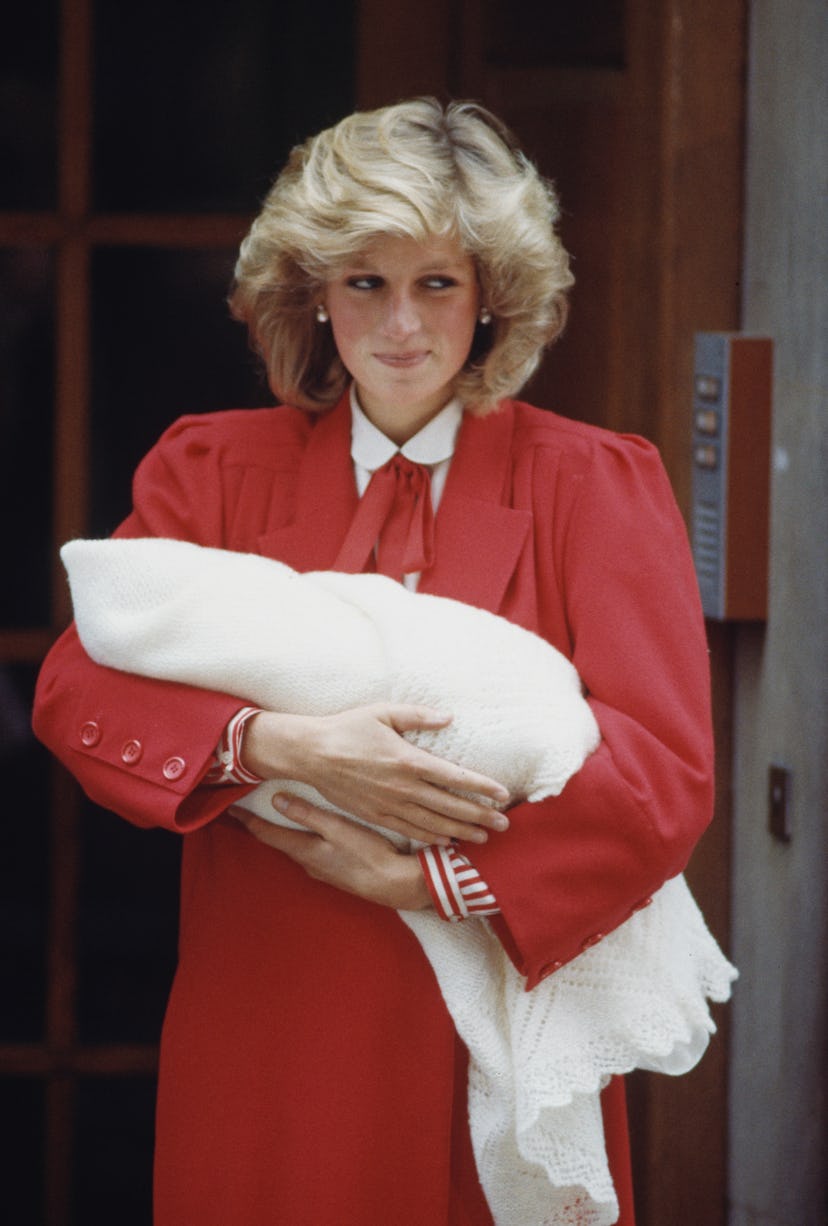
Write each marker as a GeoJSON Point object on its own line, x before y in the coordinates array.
{"type": "Point", "coordinates": [687, 73]}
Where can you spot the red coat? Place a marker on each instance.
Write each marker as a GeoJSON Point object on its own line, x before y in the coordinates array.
{"type": "Point", "coordinates": [309, 1070]}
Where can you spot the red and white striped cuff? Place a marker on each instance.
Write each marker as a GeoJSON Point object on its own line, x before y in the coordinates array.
{"type": "Point", "coordinates": [456, 888]}
{"type": "Point", "coordinates": [227, 765]}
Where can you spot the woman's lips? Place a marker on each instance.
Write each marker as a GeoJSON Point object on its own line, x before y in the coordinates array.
{"type": "Point", "coordinates": [402, 361]}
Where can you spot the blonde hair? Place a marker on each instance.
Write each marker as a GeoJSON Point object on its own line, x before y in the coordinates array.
{"type": "Point", "coordinates": [414, 170]}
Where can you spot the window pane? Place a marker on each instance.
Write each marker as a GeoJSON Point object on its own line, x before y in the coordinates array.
{"type": "Point", "coordinates": [163, 345]}
{"type": "Point", "coordinates": [28, 89]}
{"type": "Point", "coordinates": [127, 928]}
{"type": "Point", "coordinates": [24, 862]}
{"type": "Point", "coordinates": [523, 34]}
{"type": "Point", "coordinates": [113, 1154]}
{"type": "Point", "coordinates": [197, 108]}
{"type": "Point", "coordinates": [22, 1129]}
{"type": "Point", "coordinates": [26, 395]}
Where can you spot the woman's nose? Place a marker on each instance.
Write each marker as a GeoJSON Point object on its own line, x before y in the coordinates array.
{"type": "Point", "coordinates": [401, 318]}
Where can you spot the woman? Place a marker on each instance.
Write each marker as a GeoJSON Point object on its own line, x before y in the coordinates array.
{"type": "Point", "coordinates": [401, 282]}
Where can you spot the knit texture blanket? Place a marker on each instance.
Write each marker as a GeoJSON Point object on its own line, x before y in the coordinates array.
{"type": "Point", "coordinates": [322, 642]}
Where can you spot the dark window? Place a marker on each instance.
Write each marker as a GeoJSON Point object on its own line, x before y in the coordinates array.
{"type": "Point", "coordinates": [28, 105]}
{"type": "Point", "coordinates": [27, 399]}
{"type": "Point", "coordinates": [113, 322]}
{"type": "Point", "coordinates": [197, 109]}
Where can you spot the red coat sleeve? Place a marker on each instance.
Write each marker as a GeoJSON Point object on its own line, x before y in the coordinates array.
{"type": "Point", "coordinates": [574, 867]}
{"type": "Point", "coordinates": [139, 746]}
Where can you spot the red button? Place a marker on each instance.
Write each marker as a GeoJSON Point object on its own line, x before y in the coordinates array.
{"type": "Point", "coordinates": [645, 902]}
{"type": "Point", "coordinates": [90, 734]}
{"type": "Point", "coordinates": [174, 768]}
{"type": "Point", "coordinates": [593, 940]}
{"type": "Point", "coordinates": [132, 752]}
{"type": "Point", "coordinates": [550, 969]}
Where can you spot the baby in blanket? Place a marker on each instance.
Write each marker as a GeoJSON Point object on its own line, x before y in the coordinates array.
{"type": "Point", "coordinates": [323, 642]}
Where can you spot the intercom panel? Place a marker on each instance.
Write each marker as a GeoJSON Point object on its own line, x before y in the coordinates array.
{"type": "Point", "coordinates": [731, 473]}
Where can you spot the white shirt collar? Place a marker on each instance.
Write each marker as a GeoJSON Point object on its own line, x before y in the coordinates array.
{"type": "Point", "coordinates": [370, 448]}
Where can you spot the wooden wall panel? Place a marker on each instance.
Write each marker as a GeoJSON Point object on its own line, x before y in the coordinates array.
{"type": "Point", "coordinates": [682, 210]}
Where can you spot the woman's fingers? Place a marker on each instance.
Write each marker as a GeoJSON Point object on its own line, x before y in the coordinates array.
{"type": "Point", "coordinates": [448, 780]}
{"type": "Point", "coordinates": [433, 798]}
{"type": "Point", "coordinates": [362, 763]}
{"type": "Point", "coordinates": [334, 827]}
{"type": "Point", "coordinates": [408, 717]}
{"type": "Point", "coordinates": [318, 821]}
{"type": "Point", "coordinates": [425, 826]}
{"type": "Point", "coordinates": [339, 852]}
{"type": "Point", "coordinates": [281, 838]}
{"type": "Point", "coordinates": [300, 845]}
{"type": "Point", "coordinates": [436, 770]}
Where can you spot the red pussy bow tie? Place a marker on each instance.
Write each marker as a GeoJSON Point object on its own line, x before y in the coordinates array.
{"type": "Point", "coordinates": [395, 516]}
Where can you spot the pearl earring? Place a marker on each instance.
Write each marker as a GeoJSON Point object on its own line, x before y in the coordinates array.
{"type": "Point", "coordinates": [322, 315]}
{"type": "Point", "coordinates": [485, 316]}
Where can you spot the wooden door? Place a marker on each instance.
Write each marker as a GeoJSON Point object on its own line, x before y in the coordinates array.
{"type": "Point", "coordinates": [635, 110]}
{"type": "Point", "coordinates": [136, 143]}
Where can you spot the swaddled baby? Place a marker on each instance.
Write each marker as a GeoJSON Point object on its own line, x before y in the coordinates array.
{"type": "Point", "coordinates": [315, 644]}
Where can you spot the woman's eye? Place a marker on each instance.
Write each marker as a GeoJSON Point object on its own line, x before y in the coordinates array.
{"type": "Point", "coordinates": [370, 281]}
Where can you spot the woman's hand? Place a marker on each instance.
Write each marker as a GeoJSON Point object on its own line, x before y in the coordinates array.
{"type": "Point", "coordinates": [343, 854]}
{"type": "Point", "coordinates": [361, 763]}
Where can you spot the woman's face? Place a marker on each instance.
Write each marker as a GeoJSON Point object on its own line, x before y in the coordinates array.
{"type": "Point", "coordinates": [403, 315]}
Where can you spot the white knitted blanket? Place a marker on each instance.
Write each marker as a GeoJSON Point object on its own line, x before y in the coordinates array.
{"type": "Point", "coordinates": [320, 643]}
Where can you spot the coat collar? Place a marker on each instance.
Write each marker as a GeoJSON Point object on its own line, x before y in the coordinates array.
{"type": "Point", "coordinates": [478, 538]}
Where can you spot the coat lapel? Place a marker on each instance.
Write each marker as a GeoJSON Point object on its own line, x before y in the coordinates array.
{"type": "Point", "coordinates": [326, 498]}
{"type": "Point", "coordinates": [478, 537]}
